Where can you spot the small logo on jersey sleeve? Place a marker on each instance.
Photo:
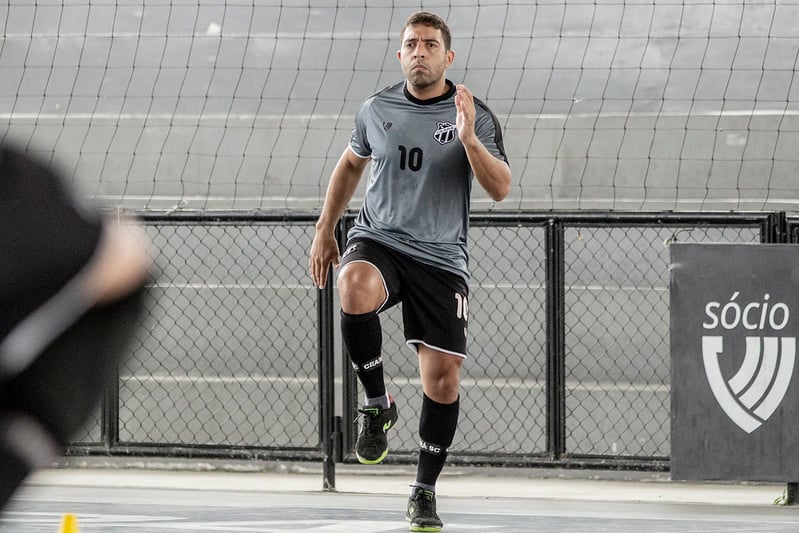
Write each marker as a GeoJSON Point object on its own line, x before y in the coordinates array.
{"type": "Point", "coordinates": [445, 132]}
{"type": "Point", "coordinates": [387, 125]}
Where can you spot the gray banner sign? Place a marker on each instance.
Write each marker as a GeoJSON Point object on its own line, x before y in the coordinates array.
{"type": "Point", "coordinates": [734, 394]}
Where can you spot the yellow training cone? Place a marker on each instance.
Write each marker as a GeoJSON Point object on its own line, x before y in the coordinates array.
{"type": "Point", "coordinates": [69, 524]}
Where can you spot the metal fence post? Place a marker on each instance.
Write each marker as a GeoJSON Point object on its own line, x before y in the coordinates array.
{"type": "Point", "coordinates": [556, 343]}
{"type": "Point", "coordinates": [110, 414]}
{"type": "Point", "coordinates": [327, 413]}
{"type": "Point", "coordinates": [777, 229]}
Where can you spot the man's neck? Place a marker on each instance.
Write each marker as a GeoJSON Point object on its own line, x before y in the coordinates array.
{"type": "Point", "coordinates": [433, 91]}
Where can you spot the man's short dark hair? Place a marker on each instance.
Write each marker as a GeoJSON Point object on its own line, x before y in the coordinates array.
{"type": "Point", "coordinates": [432, 20]}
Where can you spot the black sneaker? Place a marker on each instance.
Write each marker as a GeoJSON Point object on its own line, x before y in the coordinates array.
{"type": "Point", "coordinates": [422, 511]}
{"type": "Point", "coordinates": [372, 445]}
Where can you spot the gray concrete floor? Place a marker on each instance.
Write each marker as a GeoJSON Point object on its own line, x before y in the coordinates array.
{"type": "Point", "coordinates": [497, 500]}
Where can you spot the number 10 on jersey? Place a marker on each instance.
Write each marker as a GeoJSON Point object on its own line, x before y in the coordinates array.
{"type": "Point", "coordinates": [410, 158]}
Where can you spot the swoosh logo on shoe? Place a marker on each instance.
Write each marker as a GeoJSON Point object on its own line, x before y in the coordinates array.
{"type": "Point", "coordinates": [387, 426]}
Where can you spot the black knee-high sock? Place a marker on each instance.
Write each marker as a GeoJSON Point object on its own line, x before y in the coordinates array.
{"type": "Point", "coordinates": [364, 339]}
{"type": "Point", "coordinates": [437, 425]}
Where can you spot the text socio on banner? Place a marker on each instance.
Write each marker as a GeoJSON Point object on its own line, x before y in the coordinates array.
{"type": "Point", "coordinates": [734, 394]}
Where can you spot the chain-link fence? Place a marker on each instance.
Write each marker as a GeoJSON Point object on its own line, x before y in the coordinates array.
{"type": "Point", "coordinates": [568, 361]}
{"type": "Point", "coordinates": [227, 355]}
{"type": "Point", "coordinates": [503, 382]}
{"type": "Point", "coordinates": [617, 335]}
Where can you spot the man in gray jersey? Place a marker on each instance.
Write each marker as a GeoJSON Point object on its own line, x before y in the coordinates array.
{"type": "Point", "coordinates": [426, 138]}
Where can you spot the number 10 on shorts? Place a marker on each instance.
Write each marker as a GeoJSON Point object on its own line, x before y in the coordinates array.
{"type": "Point", "coordinates": [462, 303]}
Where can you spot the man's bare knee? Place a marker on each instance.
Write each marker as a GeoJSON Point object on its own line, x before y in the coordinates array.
{"type": "Point", "coordinates": [360, 288]}
{"type": "Point", "coordinates": [440, 374]}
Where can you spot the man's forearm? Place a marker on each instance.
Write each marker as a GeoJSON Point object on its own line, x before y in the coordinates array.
{"type": "Point", "coordinates": [492, 173]}
{"type": "Point", "coordinates": [343, 182]}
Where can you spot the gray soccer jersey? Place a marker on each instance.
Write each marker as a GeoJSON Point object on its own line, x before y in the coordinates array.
{"type": "Point", "coordinates": [418, 193]}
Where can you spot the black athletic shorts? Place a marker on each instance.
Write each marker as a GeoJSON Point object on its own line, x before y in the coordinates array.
{"type": "Point", "coordinates": [435, 306]}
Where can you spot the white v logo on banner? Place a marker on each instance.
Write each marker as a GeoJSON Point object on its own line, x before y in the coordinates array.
{"type": "Point", "coordinates": [759, 385]}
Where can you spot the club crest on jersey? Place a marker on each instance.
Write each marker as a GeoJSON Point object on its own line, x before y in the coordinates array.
{"type": "Point", "coordinates": [445, 132]}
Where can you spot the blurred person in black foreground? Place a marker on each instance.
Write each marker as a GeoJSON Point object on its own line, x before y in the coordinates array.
{"type": "Point", "coordinates": [71, 295]}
